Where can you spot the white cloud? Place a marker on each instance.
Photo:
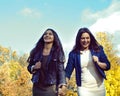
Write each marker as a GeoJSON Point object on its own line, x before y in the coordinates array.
{"type": "Point", "coordinates": [107, 20]}
{"type": "Point", "coordinates": [89, 17]}
{"type": "Point", "coordinates": [108, 24]}
{"type": "Point", "coordinates": [30, 12]}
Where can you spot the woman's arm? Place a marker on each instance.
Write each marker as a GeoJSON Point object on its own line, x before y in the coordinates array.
{"type": "Point", "coordinates": [69, 67]}
{"type": "Point", "coordinates": [101, 64]}
{"type": "Point", "coordinates": [61, 78]}
{"type": "Point", "coordinates": [102, 60]}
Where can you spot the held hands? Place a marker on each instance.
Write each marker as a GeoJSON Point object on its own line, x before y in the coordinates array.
{"type": "Point", "coordinates": [63, 88]}
{"type": "Point", "coordinates": [62, 91]}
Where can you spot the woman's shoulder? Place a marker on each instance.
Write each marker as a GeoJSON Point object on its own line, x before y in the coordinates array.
{"type": "Point", "coordinates": [73, 52]}
{"type": "Point", "coordinates": [100, 46]}
{"type": "Point", "coordinates": [101, 49]}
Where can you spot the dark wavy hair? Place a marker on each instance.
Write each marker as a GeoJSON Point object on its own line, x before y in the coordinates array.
{"type": "Point", "coordinates": [93, 43]}
{"type": "Point", "coordinates": [57, 46]}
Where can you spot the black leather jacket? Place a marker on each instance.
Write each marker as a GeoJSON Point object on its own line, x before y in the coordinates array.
{"type": "Point", "coordinates": [55, 73]}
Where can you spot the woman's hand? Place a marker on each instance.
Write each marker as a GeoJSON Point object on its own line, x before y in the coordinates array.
{"type": "Point", "coordinates": [37, 65]}
{"type": "Point", "coordinates": [101, 64]}
{"type": "Point", "coordinates": [62, 90]}
{"type": "Point", "coordinates": [95, 59]}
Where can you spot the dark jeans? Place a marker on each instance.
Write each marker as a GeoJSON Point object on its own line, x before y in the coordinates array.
{"type": "Point", "coordinates": [44, 90]}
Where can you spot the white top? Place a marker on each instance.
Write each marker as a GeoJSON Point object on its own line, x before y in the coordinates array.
{"type": "Point", "coordinates": [91, 81]}
{"type": "Point", "coordinates": [90, 76]}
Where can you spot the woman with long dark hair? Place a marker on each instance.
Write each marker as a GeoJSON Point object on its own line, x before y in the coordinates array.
{"type": "Point", "coordinates": [46, 63]}
{"type": "Point", "coordinates": [90, 62]}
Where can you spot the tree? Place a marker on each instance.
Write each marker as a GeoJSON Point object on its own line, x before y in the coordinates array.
{"type": "Point", "coordinates": [14, 80]}
{"type": "Point", "coordinates": [23, 60]}
{"type": "Point", "coordinates": [14, 77]}
{"type": "Point", "coordinates": [4, 55]}
{"type": "Point", "coordinates": [113, 77]}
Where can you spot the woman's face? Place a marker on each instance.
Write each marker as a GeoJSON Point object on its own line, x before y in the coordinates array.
{"type": "Point", "coordinates": [48, 36]}
{"type": "Point", "coordinates": [85, 40]}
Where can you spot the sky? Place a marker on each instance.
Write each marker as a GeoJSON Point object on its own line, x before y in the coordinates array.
{"type": "Point", "coordinates": [22, 22]}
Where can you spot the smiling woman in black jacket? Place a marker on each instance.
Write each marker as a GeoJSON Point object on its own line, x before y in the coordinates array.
{"type": "Point", "coordinates": [46, 63]}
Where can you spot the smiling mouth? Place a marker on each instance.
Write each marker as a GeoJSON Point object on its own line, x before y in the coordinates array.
{"type": "Point", "coordinates": [47, 38]}
{"type": "Point", "coordinates": [85, 43]}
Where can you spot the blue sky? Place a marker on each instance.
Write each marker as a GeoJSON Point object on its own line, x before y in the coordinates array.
{"type": "Point", "coordinates": [22, 22]}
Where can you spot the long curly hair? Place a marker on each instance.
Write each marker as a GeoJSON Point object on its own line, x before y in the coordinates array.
{"type": "Point", "coordinates": [40, 44]}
